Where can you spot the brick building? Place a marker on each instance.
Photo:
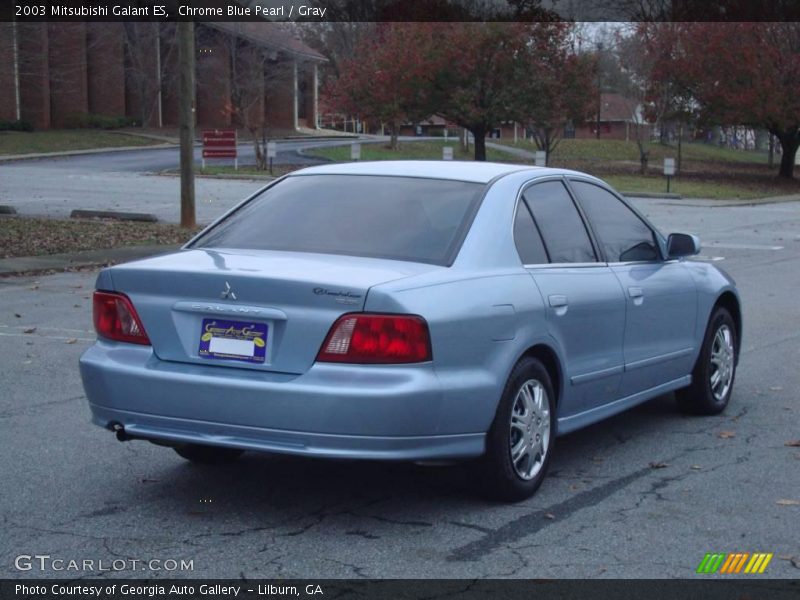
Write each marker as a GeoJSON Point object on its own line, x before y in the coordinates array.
{"type": "Point", "coordinates": [247, 74]}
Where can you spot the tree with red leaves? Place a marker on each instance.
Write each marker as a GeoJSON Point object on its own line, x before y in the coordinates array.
{"type": "Point", "coordinates": [476, 75]}
{"type": "Point", "coordinates": [737, 73]}
{"type": "Point", "coordinates": [386, 79]}
{"type": "Point", "coordinates": [473, 67]}
{"type": "Point", "coordinates": [551, 84]}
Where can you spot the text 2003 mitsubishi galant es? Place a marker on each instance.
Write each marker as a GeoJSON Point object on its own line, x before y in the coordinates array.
{"type": "Point", "coordinates": [411, 311]}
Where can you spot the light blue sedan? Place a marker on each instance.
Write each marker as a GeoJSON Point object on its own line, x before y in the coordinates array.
{"type": "Point", "coordinates": [411, 311]}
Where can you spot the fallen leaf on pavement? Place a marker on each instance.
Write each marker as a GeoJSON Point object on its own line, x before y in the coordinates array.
{"type": "Point", "coordinates": [71, 341]}
{"type": "Point", "coordinates": [696, 468]}
{"type": "Point", "coordinates": [19, 316]}
{"type": "Point", "coordinates": [658, 465]}
{"type": "Point", "coordinates": [784, 502]}
{"type": "Point", "coordinates": [550, 516]}
{"type": "Point", "coordinates": [793, 443]}
{"type": "Point", "coordinates": [29, 330]}
{"type": "Point", "coordinates": [726, 434]}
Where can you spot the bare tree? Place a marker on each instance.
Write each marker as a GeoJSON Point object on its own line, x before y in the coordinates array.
{"type": "Point", "coordinates": [150, 53]}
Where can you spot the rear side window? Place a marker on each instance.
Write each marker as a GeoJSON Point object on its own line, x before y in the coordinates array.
{"type": "Point", "coordinates": [401, 218]}
{"type": "Point", "coordinates": [527, 239]}
{"type": "Point", "coordinates": [559, 222]}
{"type": "Point", "coordinates": [623, 236]}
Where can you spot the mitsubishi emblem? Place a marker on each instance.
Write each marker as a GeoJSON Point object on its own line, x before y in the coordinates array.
{"type": "Point", "coordinates": [228, 292]}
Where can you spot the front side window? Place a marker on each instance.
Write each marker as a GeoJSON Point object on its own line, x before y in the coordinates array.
{"type": "Point", "coordinates": [559, 222]}
{"type": "Point", "coordinates": [622, 235]}
{"type": "Point", "coordinates": [400, 218]}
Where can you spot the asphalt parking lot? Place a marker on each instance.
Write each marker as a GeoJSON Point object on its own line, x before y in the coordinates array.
{"type": "Point", "coordinates": [644, 494]}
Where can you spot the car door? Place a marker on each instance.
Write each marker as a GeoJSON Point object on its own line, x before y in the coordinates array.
{"type": "Point", "coordinates": [584, 304]}
{"type": "Point", "coordinates": [661, 297]}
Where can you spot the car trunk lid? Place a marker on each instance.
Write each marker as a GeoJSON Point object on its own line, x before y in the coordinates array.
{"type": "Point", "coordinates": [235, 298]}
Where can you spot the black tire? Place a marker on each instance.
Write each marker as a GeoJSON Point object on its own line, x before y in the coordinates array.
{"type": "Point", "coordinates": [703, 397]}
{"type": "Point", "coordinates": [208, 455]}
{"type": "Point", "coordinates": [500, 475]}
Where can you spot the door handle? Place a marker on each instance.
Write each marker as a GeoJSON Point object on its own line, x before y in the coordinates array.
{"type": "Point", "coordinates": [559, 303]}
{"type": "Point", "coordinates": [636, 294]}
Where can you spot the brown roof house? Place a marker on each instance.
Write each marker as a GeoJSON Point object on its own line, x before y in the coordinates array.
{"type": "Point", "coordinates": [620, 118]}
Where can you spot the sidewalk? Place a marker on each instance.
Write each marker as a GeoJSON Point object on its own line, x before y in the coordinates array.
{"type": "Point", "coordinates": [71, 260]}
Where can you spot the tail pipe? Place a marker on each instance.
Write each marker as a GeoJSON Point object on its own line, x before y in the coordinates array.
{"type": "Point", "coordinates": [119, 430]}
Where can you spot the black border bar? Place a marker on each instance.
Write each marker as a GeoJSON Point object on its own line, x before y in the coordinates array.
{"type": "Point", "coordinates": [399, 10]}
{"type": "Point", "coordinates": [707, 588]}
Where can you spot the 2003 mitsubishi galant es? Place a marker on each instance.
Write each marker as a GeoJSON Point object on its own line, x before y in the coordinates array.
{"type": "Point", "coordinates": [411, 311]}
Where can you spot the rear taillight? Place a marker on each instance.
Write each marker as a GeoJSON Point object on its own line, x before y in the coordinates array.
{"type": "Point", "coordinates": [365, 338]}
{"type": "Point", "coordinates": [116, 319]}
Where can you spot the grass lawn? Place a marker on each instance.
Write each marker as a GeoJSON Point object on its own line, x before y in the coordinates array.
{"type": "Point", "coordinates": [27, 236]}
{"type": "Point", "coordinates": [57, 140]}
{"type": "Point", "coordinates": [708, 171]}
{"type": "Point", "coordinates": [620, 150]}
{"type": "Point", "coordinates": [427, 150]}
{"type": "Point", "coordinates": [691, 188]}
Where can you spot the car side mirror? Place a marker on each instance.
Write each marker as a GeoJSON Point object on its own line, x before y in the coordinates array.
{"type": "Point", "coordinates": [682, 244]}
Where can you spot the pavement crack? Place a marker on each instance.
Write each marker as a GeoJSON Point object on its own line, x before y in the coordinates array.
{"type": "Point", "coordinates": [359, 571]}
{"type": "Point", "coordinates": [471, 526]}
{"type": "Point", "coordinates": [365, 534]}
{"type": "Point", "coordinates": [530, 523]}
{"type": "Point", "coordinates": [398, 521]}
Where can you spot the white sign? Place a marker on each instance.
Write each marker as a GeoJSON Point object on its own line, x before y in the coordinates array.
{"type": "Point", "coordinates": [272, 149]}
{"type": "Point", "coordinates": [447, 153]}
{"type": "Point", "coordinates": [541, 158]}
{"type": "Point", "coordinates": [669, 166]}
{"type": "Point", "coordinates": [355, 151]}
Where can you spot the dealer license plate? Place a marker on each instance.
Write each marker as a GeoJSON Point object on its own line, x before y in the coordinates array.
{"type": "Point", "coordinates": [233, 340]}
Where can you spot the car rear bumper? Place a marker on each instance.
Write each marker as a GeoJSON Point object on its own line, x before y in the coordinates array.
{"type": "Point", "coordinates": [337, 411]}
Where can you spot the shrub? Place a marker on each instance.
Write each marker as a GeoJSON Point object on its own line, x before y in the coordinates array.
{"type": "Point", "coordinates": [91, 121]}
{"type": "Point", "coordinates": [18, 125]}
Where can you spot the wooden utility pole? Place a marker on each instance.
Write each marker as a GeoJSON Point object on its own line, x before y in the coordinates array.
{"type": "Point", "coordinates": [186, 55]}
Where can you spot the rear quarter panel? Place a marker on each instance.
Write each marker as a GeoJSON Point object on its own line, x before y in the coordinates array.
{"type": "Point", "coordinates": [484, 312]}
{"type": "Point", "coordinates": [480, 325]}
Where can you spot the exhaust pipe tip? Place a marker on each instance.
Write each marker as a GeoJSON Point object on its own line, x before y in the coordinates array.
{"type": "Point", "coordinates": [119, 430]}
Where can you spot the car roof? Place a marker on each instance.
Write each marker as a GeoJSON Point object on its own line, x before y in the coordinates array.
{"type": "Point", "coordinates": [477, 172]}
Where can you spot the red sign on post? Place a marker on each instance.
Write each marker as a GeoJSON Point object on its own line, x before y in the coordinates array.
{"type": "Point", "coordinates": [219, 143]}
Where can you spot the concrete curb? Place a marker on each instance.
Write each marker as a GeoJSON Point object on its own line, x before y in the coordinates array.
{"type": "Point", "coordinates": [665, 195]}
{"type": "Point", "coordinates": [109, 214]}
{"type": "Point", "coordinates": [26, 265]}
{"type": "Point", "coordinates": [169, 173]}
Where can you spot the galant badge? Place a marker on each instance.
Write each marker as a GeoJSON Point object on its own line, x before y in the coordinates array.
{"type": "Point", "coordinates": [227, 292]}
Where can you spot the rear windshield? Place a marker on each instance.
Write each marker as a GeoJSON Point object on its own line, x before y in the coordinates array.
{"type": "Point", "coordinates": [401, 218]}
